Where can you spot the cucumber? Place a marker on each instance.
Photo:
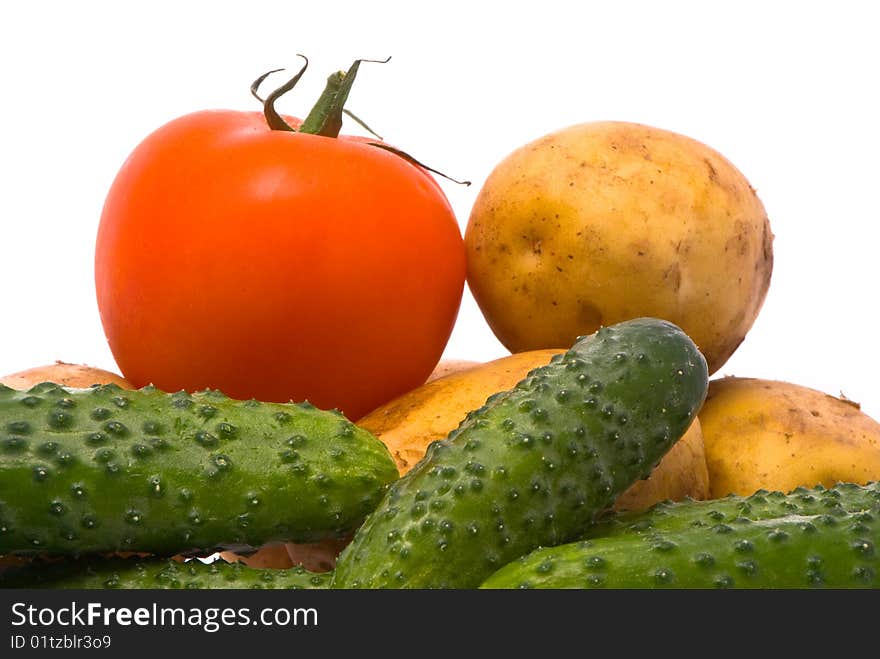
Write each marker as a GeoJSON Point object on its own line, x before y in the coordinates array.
{"type": "Point", "coordinates": [152, 573]}
{"type": "Point", "coordinates": [806, 547]}
{"type": "Point", "coordinates": [668, 516]}
{"type": "Point", "coordinates": [535, 465]}
{"type": "Point", "coordinates": [105, 469]}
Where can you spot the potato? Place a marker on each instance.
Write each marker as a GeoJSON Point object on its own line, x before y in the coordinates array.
{"type": "Point", "coordinates": [70, 375]}
{"type": "Point", "coordinates": [318, 556]}
{"type": "Point", "coordinates": [268, 556]}
{"type": "Point", "coordinates": [450, 366]}
{"type": "Point", "coordinates": [315, 557]}
{"type": "Point", "coordinates": [409, 423]}
{"type": "Point", "coordinates": [602, 222]}
{"type": "Point", "coordinates": [765, 434]}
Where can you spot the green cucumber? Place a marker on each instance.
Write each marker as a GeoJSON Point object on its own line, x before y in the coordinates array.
{"type": "Point", "coordinates": [668, 516]}
{"type": "Point", "coordinates": [151, 573]}
{"type": "Point", "coordinates": [105, 469]}
{"type": "Point", "coordinates": [805, 547]}
{"type": "Point", "coordinates": [535, 465]}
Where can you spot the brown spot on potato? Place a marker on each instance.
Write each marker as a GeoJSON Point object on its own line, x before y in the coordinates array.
{"type": "Point", "coordinates": [713, 174]}
{"type": "Point", "coordinates": [673, 276]}
{"type": "Point", "coordinates": [589, 314]}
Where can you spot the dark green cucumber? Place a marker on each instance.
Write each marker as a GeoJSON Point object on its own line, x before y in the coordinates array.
{"type": "Point", "coordinates": [799, 549]}
{"type": "Point", "coordinates": [104, 469]}
{"type": "Point", "coordinates": [670, 516]}
{"type": "Point", "coordinates": [141, 573]}
{"type": "Point", "coordinates": [535, 465]}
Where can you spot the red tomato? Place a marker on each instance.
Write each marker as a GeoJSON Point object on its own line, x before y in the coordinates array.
{"type": "Point", "coordinates": [276, 265]}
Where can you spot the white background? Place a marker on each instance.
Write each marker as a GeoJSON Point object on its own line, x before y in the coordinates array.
{"type": "Point", "coordinates": [787, 91]}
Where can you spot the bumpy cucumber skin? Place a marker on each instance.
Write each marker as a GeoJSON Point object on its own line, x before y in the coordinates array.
{"type": "Point", "coordinates": [669, 516]}
{"type": "Point", "coordinates": [806, 547]}
{"type": "Point", "coordinates": [141, 574]}
{"type": "Point", "coordinates": [104, 469]}
{"type": "Point", "coordinates": [534, 465]}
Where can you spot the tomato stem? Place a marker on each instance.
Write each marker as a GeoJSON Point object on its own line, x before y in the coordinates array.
{"type": "Point", "coordinates": [255, 85]}
{"type": "Point", "coordinates": [362, 124]}
{"type": "Point", "coordinates": [272, 117]}
{"type": "Point", "coordinates": [409, 158]}
{"type": "Point", "coordinates": [325, 117]}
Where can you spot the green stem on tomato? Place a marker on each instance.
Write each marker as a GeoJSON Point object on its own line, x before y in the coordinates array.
{"type": "Point", "coordinates": [360, 122]}
{"type": "Point", "coordinates": [325, 117]}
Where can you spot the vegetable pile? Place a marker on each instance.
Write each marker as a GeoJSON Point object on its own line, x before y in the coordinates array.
{"type": "Point", "coordinates": [278, 297]}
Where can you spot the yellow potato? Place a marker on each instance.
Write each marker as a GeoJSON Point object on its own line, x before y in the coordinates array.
{"type": "Point", "coordinates": [450, 366]}
{"type": "Point", "coordinates": [70, 375]}
{"type": "Point", "coordinates": [602, 222]}
{"type": "Point", "coordinates": [766, 434]}
{"type": "Point", "coordinates": [409, 423]}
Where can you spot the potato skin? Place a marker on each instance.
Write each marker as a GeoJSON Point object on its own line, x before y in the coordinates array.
{"type": "Point", "coordinates": [767, 434]}
{"type": "Point", "coordinates": [78, 376]}
{"type": "Point", "coordinates": [409, 423]}
{"type": "Point", "coordinates": [315, 557]}
{"type": "Point", "coordinates": [601, 222]}
{"type": "Point", "coordinates": [268, 556]}
{"type": "Point", "coordinates": [449, 366]}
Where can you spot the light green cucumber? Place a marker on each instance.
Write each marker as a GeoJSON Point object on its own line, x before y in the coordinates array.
{"type": "Point", "coordinates": [535, 465]}
{"type": "Point", "coordinates": [147, 573]}
{"type": "Point", "coordinates": [104, 470]}
{"type": "Point", "coordinates": [806, 547]}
